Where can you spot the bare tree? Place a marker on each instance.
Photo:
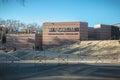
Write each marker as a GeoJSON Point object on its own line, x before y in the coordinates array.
{"type": "Point", "coordinates": [22, 2]}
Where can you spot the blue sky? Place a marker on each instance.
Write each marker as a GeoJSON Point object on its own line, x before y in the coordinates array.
{"type": "Point", "coordinates": [40, 11]}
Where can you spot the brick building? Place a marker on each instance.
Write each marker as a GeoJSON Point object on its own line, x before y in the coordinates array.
{"type": "Point", "coordinates": [59, 33]}
{"type": "Point", "coordinates": [91, 33]}
{"type": "Point", "coordinates": [106, 32]}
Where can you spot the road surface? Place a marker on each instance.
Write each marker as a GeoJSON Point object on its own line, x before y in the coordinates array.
{"type": "Point", "coordinates": [65, 72]}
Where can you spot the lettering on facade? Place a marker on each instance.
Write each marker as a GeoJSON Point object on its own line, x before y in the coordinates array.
{"type": "Point", "coordinates": [55, 33]}
{"type": "Point", "coordinates": [64, 29]}
{"type": "Point", "coordinates": [62, 33]}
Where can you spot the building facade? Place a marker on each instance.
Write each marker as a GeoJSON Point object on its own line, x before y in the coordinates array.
{"type": "Point", "coordinates": [60, 33]}
{"type": "Point", "coordinates": [91, 33]}
{"type": "Point", "coordinates": [20, 41]}
{"type": "Point", "coordinates": [106, 32]}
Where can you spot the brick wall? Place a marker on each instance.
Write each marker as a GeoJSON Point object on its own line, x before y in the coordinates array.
{"type": "Point", "coordinates": [102, 32]}
{"type": "Point", "coordinates": [20, 41]}
{"type": "Point", "coordinates": [91, 33]}
{"type": "Point", "coordinates": [53, 34]}
{"type": "Point", "coordinates": [38, 41]}
{"type": "Point", "coordinates": [83, 31]}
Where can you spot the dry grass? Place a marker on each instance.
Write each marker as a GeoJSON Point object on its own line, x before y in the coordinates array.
{"type": "Point", "coordinates": [100, 47]}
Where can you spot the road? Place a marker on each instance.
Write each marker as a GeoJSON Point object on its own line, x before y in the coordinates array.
{"type": "Point", "coordinates": [67, 72]}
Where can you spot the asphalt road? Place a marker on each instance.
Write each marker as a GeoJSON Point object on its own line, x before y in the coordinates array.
{"type": "Point", "coordinates": [64, 72]}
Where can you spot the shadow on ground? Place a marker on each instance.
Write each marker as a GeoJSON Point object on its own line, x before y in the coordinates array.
{"type": "Point", "coordinates": [17, 71]}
